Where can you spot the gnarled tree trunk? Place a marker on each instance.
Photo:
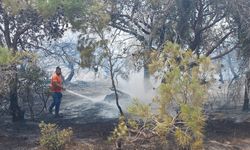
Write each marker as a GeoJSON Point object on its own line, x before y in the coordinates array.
{"type": "Point", "coordinates": [71, 74]}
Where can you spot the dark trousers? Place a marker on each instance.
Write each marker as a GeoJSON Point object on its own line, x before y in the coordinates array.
{"type": "Point", "coordinates": [57, 97]}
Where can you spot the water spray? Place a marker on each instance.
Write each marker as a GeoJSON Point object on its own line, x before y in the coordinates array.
{"type": "Point", "coordinates": [80, 95]}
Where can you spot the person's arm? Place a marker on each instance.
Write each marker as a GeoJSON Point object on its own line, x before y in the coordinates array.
{"type": "Point", "coordinates": [56, 84]}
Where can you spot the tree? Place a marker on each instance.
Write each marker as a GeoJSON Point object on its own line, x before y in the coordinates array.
{"type": "Point", "coordinates": [180, 98]}
{"type": "Point", "coordinates": [5, 76]}
{"type": "Point", "coordinates": [105, 41]}
{"type": "Point", "coordinates": [33, 87]}
{"type": "Point", "coordinates": [145, 20]}
{"type": "Point", "coordinates": [240, 19]}
{"type": "Point", "coordinates": [65, 52]}
{"type": "Point", "coordinates": [23, 28]}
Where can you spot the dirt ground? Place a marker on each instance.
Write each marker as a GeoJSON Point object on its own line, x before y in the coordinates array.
{"type": "Point", "coordinates": [219, 135]}
{"type": "Point", "coordinates": [227, 135]}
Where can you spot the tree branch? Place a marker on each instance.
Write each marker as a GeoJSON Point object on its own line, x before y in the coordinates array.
{"type": "Point", "coordinates": [224, 53]}
{"type": "Point", "coordinates": [139, 37]}
{"type": "Point", "coordinates": [212, 24]}
{"type": "Point", "coordinates": [218, 43]}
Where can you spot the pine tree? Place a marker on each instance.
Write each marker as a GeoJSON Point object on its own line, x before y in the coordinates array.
{"type": "Point", "coordinates": [180, 99]}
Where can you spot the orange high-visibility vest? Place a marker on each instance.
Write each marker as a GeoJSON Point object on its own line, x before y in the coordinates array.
{"type": "Point", "coordinates": [57, 79]}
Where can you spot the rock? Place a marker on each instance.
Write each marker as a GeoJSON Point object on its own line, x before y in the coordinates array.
{"type": "Point", "coordinates": [122, 97]}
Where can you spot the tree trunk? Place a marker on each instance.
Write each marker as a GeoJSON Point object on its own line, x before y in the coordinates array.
{"type": "Point", "coordinates": [147, 83]}
{"type": "Point", "coordinates": [114, 86]}
{"type": "Point", "coordinates": [246, 96]}
{"type": "Point", "coordinates": [29, 99]}
{"type": "Point", "coordinates": [117, 97]}
{"type": "Point", "coordinates": [246, 101]}
{"type": "Point", "coordinates": [148, 50]}
{"type": "Point", "coordinates": [221, 75]}
{"type": "Point", "coordinates": [231, 67]}
{"type": "Point", "coordinates": [16, 112]}
{"type": "Point", "coordinates": [71, 74]}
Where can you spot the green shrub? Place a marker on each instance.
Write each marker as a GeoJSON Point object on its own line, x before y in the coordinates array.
{"type": "Point", "coordinates": [52, 138]}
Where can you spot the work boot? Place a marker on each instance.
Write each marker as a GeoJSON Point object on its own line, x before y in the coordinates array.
{"type": "Point", "coordinates": [50, 111]}
{"type": "Point", "coordinates": [58, 116]}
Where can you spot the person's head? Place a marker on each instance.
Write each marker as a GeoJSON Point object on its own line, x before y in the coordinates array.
{"type": "Point", "coordinates": [58, 71]}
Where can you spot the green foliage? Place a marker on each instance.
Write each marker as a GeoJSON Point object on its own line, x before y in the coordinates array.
{"type": "Point", "coordinates": [97, 17]}
{"type": "Point", "coordinates": [52, 138]}
{"type": "Point", "coordinates": [14, 6]}
{"type": "Point", "coordinates": [89, 17]}
{"type": "Point", "coordinates": [121, 131]}
{"type": "Point", "coordinates": [6, 75]}
{"type": "Point", "coordinates": [71, 8]}
{"type": "Point", "coordinates": [5, 56]}
{"type": "Point", "coordinates": [193, 117]}
{"type": "Point", "coordinates": [182, 138]}
{"type": "Point", "coordinates": [87, 56]}
{"type": "Point", "coordinates": [185, 79]}
{"type": "Point", "coordinates": [87, 52]}
{"type": "Point", "coordinates": [83, 15]}
{"type": "Point", "coordinates": [140, 109]}
{"type": "Point", "coordinates": [48, 7]}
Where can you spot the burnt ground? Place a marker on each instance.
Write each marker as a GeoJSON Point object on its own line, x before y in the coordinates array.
{"type": "Point", "coordinates": [219, 135]}
{"type": "Point", "coordinates": [223, 134]}
{"type": "Point", "coordinates": [228, 130]}
{"type": "Point", "coordinates": [92, 123]}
